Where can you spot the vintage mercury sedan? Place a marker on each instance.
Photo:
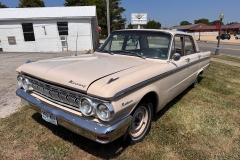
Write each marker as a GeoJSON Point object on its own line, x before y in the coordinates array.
{"type": "Point", "coordinates": [115, 91]}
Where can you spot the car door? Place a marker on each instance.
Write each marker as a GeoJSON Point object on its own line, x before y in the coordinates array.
{"type": "Point", "coordinates": [192, 58]}
{"type": "Point", "coordinates": [180, 74]}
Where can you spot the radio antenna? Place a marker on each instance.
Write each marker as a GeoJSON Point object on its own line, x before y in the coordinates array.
{"type": "Point", "coordinates": [76, 45]}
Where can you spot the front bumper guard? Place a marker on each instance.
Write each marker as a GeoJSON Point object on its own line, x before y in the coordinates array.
{"type": "Point", "coordinates": [88, 129]}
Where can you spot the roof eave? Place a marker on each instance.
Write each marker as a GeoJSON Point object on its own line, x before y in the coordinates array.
{"type": "Point", "coordinates": [47, 18]}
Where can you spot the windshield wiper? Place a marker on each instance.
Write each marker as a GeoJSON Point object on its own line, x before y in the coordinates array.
{"type": "Point", "coordinates": [137, 54]}
{"type": "Point", "coordinates": [104, 50]}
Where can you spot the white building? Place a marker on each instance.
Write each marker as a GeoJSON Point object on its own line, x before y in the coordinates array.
{"type": "Point", "coordinates": [48, 29]}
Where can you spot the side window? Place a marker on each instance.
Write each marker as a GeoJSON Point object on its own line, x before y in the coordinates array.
{"type": "Point", "coordinates": [177, 46]}
{"type": "Point", "coordinates": [28, 32]}
{"type": "Point", "coordinates": [189, 46]}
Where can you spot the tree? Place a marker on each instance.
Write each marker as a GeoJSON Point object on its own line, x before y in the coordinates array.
{"type": "Point", "coordinates": [75, 3]}
{"type": "Point", "coordinates": [184, 23]}
{"type": "Point", "coordinates": [232, 23]}
{"type": "Point", "coordinates": [213, 23]}
{"type": "Point", "coordinates": [152, 25]}
{"type": "Point", "coordinates": [2, 5]}
{"type": "Point", "coordinates": [31, 3]}
{"type": "Point", "coordinates": [130, 26]}
{"type": "Point", "coordinates": [116, 19]}
{"type": "Point", "coordinates": [202, 20]}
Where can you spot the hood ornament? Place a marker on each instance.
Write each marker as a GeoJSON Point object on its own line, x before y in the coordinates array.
{"type": "Point", "coordinates": [111, 80]}
{"type": "Point", "coordinates": [78, 84]}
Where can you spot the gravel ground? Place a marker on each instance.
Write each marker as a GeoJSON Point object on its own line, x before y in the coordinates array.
{"type": "Point", "coordinates": [9, 102]}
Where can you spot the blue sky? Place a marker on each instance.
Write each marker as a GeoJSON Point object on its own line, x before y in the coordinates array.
{"type": "Point", "coordinates": [170, 12]}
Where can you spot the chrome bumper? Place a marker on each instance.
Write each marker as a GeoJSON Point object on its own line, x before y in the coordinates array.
{"type": "Point", "coordinates": [75, 123]}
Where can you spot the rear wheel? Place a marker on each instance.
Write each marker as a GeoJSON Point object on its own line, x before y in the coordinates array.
{"type": "Point", "coordinates": [141, 122]}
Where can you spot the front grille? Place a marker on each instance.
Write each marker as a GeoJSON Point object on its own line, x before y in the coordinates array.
{"type": "Point", "coordinates": [56, 93]}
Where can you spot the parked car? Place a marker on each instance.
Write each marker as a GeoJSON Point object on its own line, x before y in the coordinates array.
{"type": "Point", "coordinates": [115, 91]}
{"type": "Point", "coordinates": [237, 36]}
{"type": "Point", "coordinates": [224, 36]}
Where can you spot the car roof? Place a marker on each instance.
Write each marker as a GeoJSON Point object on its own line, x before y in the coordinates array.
{"type": "Point", "coordinates": [173, 32]}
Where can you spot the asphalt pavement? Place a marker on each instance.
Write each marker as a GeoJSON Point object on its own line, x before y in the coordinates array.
{"type": "Point", "coordinates": [225, 48]}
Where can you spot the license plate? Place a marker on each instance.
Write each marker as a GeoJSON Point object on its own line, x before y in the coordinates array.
{"type": "Point", "coordinates": [49, 117]}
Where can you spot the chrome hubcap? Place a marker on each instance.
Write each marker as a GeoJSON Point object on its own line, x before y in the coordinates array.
{"type": "Point", "coordinates": [139, 122]}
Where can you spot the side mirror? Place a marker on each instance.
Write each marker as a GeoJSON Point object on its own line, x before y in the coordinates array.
{"type": "Point", "coordinates": [176, 56]}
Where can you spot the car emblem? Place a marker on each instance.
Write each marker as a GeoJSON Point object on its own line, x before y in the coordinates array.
{"type": "Point", "coordinates": [126, 103]}
{"type": "Point", "coordinates": [78, 84]}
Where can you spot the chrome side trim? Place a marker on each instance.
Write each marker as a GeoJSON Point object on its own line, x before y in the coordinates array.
{"type": "Point", "coordinates": [158, 77]}
{"type": "Point", "coordinates": [75, 123]}
{"type": "Point", "coordinates": [143, 83]}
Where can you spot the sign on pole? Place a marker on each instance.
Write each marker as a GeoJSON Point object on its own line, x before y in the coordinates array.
{"type": "Point", "coordinates": [138, 18]}
{"type": "Point", "coordinates": [218, 25]}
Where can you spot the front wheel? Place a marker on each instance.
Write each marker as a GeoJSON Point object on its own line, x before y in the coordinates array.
{"type": "Point", "coordinates": [194, 85]}
{"type": "Point", "coordinates": [236, 37]}
{"type": "Point", "coordinates": [141, 122]}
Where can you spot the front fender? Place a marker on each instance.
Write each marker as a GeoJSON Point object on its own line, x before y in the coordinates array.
{"type": "Point", "coordinates": [127, 102]}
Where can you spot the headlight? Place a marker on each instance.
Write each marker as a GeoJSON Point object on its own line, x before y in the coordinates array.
{"type": "Point", "coordinates": [86, 106]}
{"type": "Point", "coordinates": [105, 112]}
{"type": "Point", "coordinates": [20, 81]}
{"type": "Point", "coordinates": [27, 85]}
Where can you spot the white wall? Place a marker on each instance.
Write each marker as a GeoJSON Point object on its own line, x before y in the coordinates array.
{"type": "Point", "coordinates": [49, 42]}
{"type": "Point", "coordinates": [204, 33]}
{"type": "Point", "coordinates": [82, 29]}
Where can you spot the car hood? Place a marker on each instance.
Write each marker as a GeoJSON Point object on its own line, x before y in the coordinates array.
{"type": "Point", "coordinates": [79, 72]}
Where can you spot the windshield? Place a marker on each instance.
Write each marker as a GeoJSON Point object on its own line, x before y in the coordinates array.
{"type": "Point", "coordinates": [149, 44]}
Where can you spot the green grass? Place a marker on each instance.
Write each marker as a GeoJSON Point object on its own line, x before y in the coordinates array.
{"type": "Point", "coordinates": [201, 123]}
{"type": "Point", "coordinates": [225, 57]}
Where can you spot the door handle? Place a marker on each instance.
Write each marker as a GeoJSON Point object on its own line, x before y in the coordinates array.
{"type": "Point", "coordinates": [187, 59]}
{"type": "Point", "coordinates": [199, 56]}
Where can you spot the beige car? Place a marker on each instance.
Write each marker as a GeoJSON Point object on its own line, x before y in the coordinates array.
{"type": "Point", "coordinates": [115, 91]}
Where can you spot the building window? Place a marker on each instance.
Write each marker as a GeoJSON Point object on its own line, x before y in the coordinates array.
{"type": "Point", "coordinates": [28, 32]}
{"type": "Point", "coordinates": [63, 40]}
{"type": "Point", "coordinates": [12, 41]}
{"type": "Point", "coordinates": [62, 28]}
